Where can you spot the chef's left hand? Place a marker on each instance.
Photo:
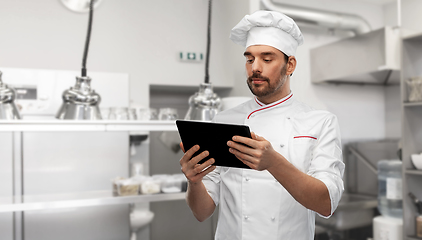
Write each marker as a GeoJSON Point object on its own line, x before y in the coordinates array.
{"type": "Point", "coordinates": [260, 155]}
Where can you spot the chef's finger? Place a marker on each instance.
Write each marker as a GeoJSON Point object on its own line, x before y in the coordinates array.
{"type": "Point", "coordinates": [241, 148]}
{"type": "Point", "coordinates": [181, 147]}
{"type": "Point", "coordinates": [196, 174]}
{"type": "Point", "coordinates": [249, 164]}
{"type": "Point", "coordinates": [206, 171]}
{"type": "Point", "coordinates": [253, 135]}
{"type": "Point", "coordinates": [257, 137]}
{"type": "Point", "coordinates": [188, 155]}
{"type": "Point", "coordinates": [207, 164]}
{"type": "Point", "coordinates": [243, 156]}
{"type": "Point", "coordinates": [247, 141]}
{"type": "Point", "coordinates": [246, 159]}
{"type": "Point", "coordinates": [195, 160]}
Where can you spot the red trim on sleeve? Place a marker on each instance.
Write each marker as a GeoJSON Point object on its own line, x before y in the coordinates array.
{"type": "Point", "coordinates": [306, 137]}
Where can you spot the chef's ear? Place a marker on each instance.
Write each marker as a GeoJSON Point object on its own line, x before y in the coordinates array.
{"type": "Point", "coordinates": [291, 65]}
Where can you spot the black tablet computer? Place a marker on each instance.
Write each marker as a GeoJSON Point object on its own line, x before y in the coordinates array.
{"type": "Point", "coordinates": [212, 137]}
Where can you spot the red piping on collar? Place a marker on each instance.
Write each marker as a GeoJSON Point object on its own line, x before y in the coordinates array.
{"type": "Point", "coordinates": [258, 102]}
{"type": "Point", "coordinates": [306, 137]}
{"type": "Point", "coordinates": [269, 106]}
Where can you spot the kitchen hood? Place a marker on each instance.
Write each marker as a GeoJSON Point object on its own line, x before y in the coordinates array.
{"type": "Point", "coordinates": [369, 58]}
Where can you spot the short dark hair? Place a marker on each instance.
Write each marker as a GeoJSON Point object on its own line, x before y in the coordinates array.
{"type": "Point", "coordinates": [286, 58]}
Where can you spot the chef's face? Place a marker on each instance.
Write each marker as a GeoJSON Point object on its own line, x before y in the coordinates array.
{"type": "Point", "coordinates": [267, 72]}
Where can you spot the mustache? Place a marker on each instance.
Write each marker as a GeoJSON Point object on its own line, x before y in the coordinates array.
{"type": "Point", "coordinates": [258, 75]}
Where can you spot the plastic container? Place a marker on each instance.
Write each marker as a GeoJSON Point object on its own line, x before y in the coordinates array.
{"type": "Point", "coordinates": [390, 188]}
{"type": "Point", "coordinates": [150, 186]}
{"type": "Point", "coordinates": [419, 226]}
{"type": "Point", "coordinates": [171, 185]}
{"type": "Point", "coordinates": [125, 187]}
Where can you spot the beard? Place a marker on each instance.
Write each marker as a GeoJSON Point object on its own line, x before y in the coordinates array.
{"type": "Point", "coordinates": [270, 88]}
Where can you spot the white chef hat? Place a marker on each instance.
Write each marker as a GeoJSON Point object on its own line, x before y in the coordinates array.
{"type": "Point", "coordinates": [268, 28]}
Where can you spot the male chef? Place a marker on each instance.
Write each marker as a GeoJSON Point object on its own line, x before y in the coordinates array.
{"type": "Point", "coordinates": [295, 152]}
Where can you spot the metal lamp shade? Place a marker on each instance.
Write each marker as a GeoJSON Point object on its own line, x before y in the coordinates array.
{"type": "Point", "coordinates": [8, 110]}
{"type": "Point", "coordinates": [80, 102]}
{"type": "Point", "coordinates": [204, 104]}
{"type": "Point", "coordinates": [80, 5]}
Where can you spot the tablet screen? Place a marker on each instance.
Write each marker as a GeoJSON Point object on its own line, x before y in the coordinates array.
{"type": "Point", "coordinates": [212, 137]}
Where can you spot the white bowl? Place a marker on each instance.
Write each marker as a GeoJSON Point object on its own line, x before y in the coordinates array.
{"type": "Point", "coordinates": [140, 218]}
{"type": "Point", "coordinates": [417, 160]}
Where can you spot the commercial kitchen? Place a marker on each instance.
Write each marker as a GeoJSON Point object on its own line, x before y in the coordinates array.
{"type": "Point", "coordinates": [90, 92]}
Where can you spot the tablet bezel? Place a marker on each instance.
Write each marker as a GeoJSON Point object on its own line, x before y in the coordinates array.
{"type": "Point", "coordinates": [217, 136]}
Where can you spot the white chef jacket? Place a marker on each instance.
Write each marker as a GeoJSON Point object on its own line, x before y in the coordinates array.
{"type": "Point", "coordinates": [253, 205]}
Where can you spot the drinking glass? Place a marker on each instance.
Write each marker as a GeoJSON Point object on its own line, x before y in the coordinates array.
{"type": "Point", "coordinates": [119, 113]}
{"type": "Point", "coordinates": [167, 114]}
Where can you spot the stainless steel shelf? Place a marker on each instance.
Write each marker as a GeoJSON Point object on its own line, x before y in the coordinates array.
{"type": "Point", "coordinates": [412, 36]}
{"type": "Point", "coordinates": [83, 199]}
{"type": "Point", "coordinates": [411, 115]}
{"type": "Point", "coordinates": [96, 126]}
{"type": "Point", "coordinates": [412, 104]}
{"type": "Point", "coordinates": [413, 171]}
{"type": "Point", "coordinates": [413, 238]}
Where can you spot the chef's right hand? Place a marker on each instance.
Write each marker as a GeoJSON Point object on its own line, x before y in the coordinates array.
{"type": "Point", "coordinates": [193, 171]}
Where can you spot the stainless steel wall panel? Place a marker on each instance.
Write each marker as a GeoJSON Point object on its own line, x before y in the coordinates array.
{"type": "Point", "coordinates": [6, 183]}
{"type": "Point", "coordinates": [66, 162]}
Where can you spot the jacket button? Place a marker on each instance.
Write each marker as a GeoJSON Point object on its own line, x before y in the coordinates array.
{"type": "Point", "coordinates": [247, 178]}
{"type": "Point", "coordinates": [281, 145]}
{"type": "Point", "coordinates": [246, 217]}
{"type": "Point", "coordinates": [273, 218]}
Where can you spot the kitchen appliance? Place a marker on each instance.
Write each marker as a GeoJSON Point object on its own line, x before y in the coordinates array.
{"type": "Point", "coordinates": [317, 18]}
{"type": "Point", "coordinates": [8, 110]}
{"type": "Point", "coordinates": [81, 102]}
{"type": "Point", "coordinates": [369, 58]}
{"type": "Point", "coordinates": [204, 104]}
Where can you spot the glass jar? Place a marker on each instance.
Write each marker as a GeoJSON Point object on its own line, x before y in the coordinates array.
{"type": "Point", "coordinates": [390, 188]}
{"type": "Point", "coordinates": [132, 114]}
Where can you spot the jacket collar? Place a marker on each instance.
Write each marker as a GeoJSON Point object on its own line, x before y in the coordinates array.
{"type": "Point", "coordinates": [282, 102]}
{"type": "Point", "coordinates": [261, 104]}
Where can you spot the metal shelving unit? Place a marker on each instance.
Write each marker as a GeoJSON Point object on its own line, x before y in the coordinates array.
{"type": "Point", "coordinates": [21, 203]}
{"type": "Point", "coordinates": [82, 199]}
{"type": "Point", "coordinates": [97, 126]}
{"type": "Point", "coordinates": [412, 104]}
{"type": "Point", "coordinates": [413, 172]}
{"type": "Point", "coordinates": [411, 132]}
{"type": "Point", "coordinates": [413, 238]}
